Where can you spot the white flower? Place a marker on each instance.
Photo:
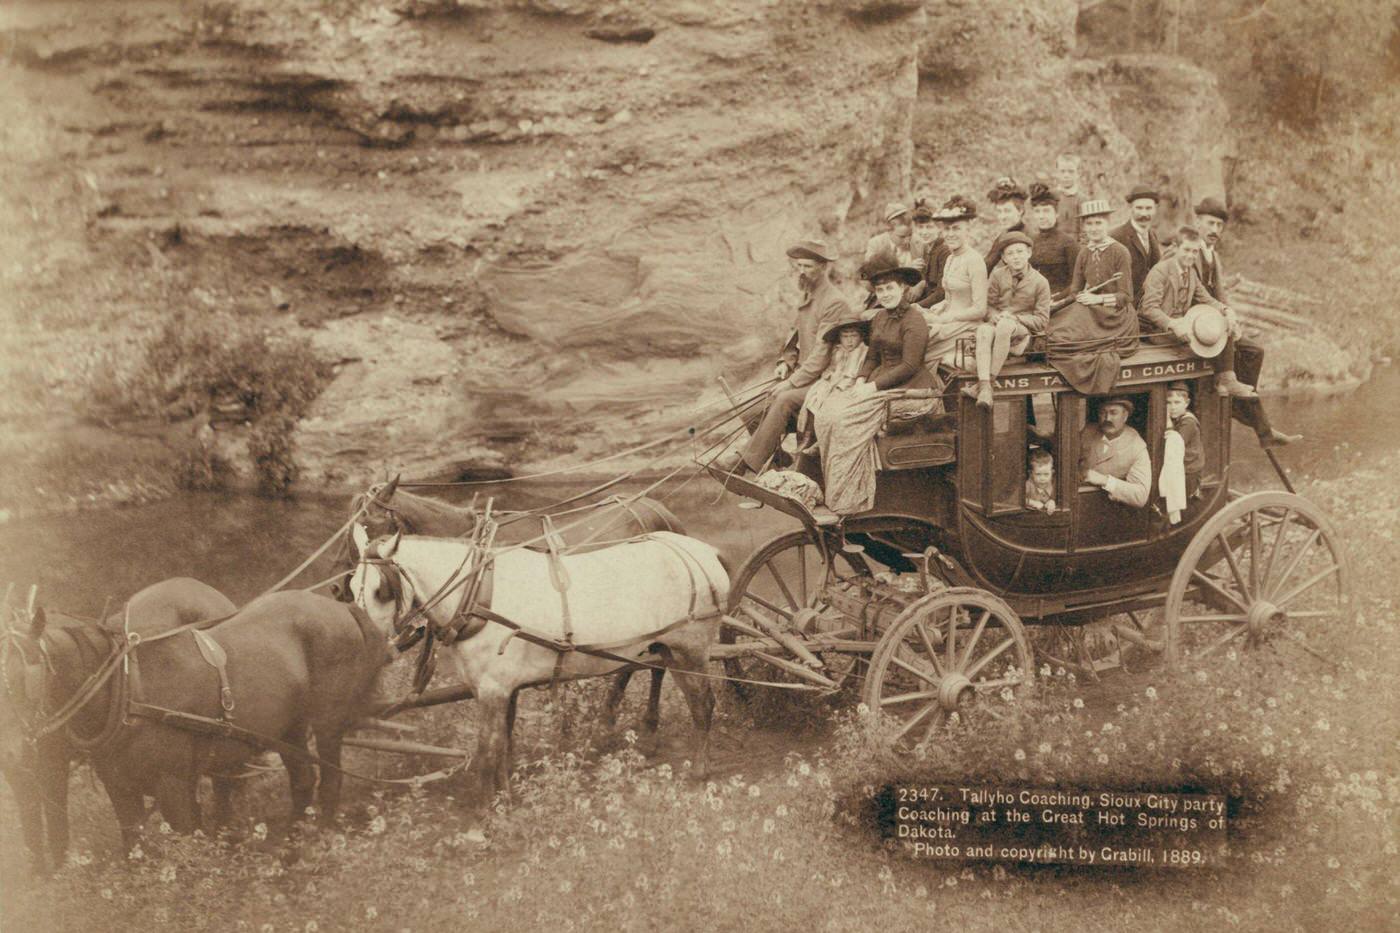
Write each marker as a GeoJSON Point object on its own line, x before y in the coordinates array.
{"type": "Point", "coordinates": [371, 912]}
{"type": "Point", "coordinates": [260, 832]}
{"type": "Point", "coordinates": [1078, 703]}
{"type": "Point", "coordinates": [1151, 693]}
{"type": "Point", "coordinates": [1020, 755]}
{"type": "Point", "coordinates": [377, 826]}
{"type": "Point", "coordinates": [167, 873]}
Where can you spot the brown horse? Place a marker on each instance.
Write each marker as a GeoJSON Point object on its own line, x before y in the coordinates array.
{"type": "Point", "coordinates": [297, 664]}
{"type": "Point", "coordinates": [38, 772]}
{"type": "Point", "coordinates": [389, 510]}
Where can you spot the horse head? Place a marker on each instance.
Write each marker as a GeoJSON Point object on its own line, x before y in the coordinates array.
{"type": "Point", "coordinates": [382, 589]}
{"type": "Point", "coordinates": [24, 666]}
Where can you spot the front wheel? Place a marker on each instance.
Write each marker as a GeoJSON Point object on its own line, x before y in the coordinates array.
{"type": "Point", "coordinates": [958, 649]}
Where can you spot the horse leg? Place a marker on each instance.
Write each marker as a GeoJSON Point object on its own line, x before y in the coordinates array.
{"type": "Point", "coordinates": [223, 801]}
{"type": "Point", "coordinates": [699, 696]}
{"type": "Point", "coordinates": [652, 721]}
{"type": "Point", "coordinates": [52, 769]}
{"type": "Point", "coordinates": [179, 805]}
{"type": "Point", "coordinates": [493, 708]}
{"type": "Point", "coordinates": [301, 773]}
{"type": "Point", "coordinates": [619, 688]}
{"type": "Point", "coordinates": [29, 797]}
{"type": "Point", "coordinates": [328, 749]}
{"type": "Point", "coordinates": [129, 804]}
{"type": "Point", "coordinates": [507, 757]}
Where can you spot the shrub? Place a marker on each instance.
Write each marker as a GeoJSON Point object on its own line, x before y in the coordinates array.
{"type": "Point", "coordinates": [196, 364]}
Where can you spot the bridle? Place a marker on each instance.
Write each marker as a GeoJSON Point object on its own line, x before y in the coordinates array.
{"type": "Point", "coordinates": [28, 699]}
{"type": "Point", "coordinates": [395, 583]}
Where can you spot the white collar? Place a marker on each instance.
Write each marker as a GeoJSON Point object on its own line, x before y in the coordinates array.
{"type": "Point", "coordinates": [1208, 253]}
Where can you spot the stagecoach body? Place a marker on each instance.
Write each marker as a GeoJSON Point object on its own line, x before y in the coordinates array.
{"type": "Point", "coordinates": [949, 510]}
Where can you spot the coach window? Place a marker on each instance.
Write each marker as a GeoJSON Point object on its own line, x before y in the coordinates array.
{"type": "Point", "coordinates": [1007, 455]}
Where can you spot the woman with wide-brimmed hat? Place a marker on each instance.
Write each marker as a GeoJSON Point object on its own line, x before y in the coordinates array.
{"type": "Point", "coordinates": [849, 419]}
{"type": "Point", "coordinates": [964, 283]}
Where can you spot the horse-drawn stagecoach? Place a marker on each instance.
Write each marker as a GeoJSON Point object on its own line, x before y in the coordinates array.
{"type": "Point", "coordinates": [830, 602]}
{"type": "Point", "coordinates": [921, 602]}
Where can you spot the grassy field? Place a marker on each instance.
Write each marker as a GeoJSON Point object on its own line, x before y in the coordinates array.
{"type": "Point", "coordinates": [784, 836]}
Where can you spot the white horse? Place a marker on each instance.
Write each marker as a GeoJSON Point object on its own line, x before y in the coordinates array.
{"type": "Point", "coordinates": [656, 600]}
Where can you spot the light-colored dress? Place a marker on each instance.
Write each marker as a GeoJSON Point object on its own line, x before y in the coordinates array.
{"type": "Point", "coordinates": [841, 373]}
{"type": "Point", "coordinates": [965, 290]}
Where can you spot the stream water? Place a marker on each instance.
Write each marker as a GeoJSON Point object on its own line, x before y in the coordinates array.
{"type": "Point", "coordinates": [243, 544]}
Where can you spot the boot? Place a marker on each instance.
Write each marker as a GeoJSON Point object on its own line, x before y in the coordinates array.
{"type": "Point", "coordinates": [733, 462]}
{"type": "Point", "coordinates": [982, 392]}
{"type": "Point", "coordinates": [1276, 438]}
{"type": "Point", "coordinates": [1226, 383]}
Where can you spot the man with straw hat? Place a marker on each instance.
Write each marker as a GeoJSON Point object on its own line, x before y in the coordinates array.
{"type": "Point", "coordinates": [804, 356]}
{"type": "Point", "coordinates": [1178, 307]}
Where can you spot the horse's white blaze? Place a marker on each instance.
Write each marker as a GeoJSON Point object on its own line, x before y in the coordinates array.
{"type": "Point", "coordinates": [625, 593]}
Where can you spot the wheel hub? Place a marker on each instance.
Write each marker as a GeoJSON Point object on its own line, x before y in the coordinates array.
{"type": "Point", "coordinates": [953, 689]}
{"type": "Point", "coordinates": [1261, 615]}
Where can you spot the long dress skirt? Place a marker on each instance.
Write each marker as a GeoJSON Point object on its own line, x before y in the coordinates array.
{"type": "Point", "coordinates": [846, 427]}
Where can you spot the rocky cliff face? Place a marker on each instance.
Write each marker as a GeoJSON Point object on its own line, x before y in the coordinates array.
{"type": "Point", "coordinates": [528, 230]}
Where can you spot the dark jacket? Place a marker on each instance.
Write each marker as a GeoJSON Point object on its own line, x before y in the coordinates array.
{"type": "Point", "coordinates": [1142, 262]}
{"type": "Point", "coordinates": [895, 359]}
{"type": "Point", "coordinates": [930, 292]}
{"type": "Point", "coordinates": [1053, 256]}
{"type": "Point", "coordinates": [1094, 266]}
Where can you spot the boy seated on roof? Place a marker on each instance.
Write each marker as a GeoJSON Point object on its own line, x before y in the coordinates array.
{"type": "Point", "coordinates": [1018, 308]}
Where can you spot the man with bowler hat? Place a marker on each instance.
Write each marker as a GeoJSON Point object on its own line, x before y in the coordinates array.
{"type": "Point", "coordinates": [1211, 217]}
{"type": "Point", "coordinates": [1137, 234]}
{"type": "Point", "coordinates": [804, 356]}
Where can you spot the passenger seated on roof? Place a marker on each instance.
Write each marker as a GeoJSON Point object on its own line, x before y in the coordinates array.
{"type": "Point", "coordinates": [848, 335]}
{"type": "Point", "coordinates": [1040, 485]}
{"type": "Point", "coordinates": [1113, 455]}
{"type": "Point", "coordinates": [964, 284]}
{"type": "Point", "coordinates": [1018, 308]}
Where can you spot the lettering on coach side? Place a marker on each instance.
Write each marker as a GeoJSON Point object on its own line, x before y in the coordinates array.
{"type": "Point", "coordinates": [1148, 370]}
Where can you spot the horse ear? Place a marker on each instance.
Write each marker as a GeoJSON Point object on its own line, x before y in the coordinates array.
{"type": "Point", "coordinates": [360, 537]}
{"type": "Point", "coordinates": [388, 549]}
{"type": "Point", "coordinates": [388, 491]}
{"type": "Point", "coordinates": [37, 622]}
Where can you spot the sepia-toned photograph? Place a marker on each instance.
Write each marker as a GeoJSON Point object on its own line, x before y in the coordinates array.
{"type": "Point", "coordinates": [833, 465]}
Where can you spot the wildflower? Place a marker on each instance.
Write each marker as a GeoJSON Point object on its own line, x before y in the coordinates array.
{"type": "Point", "coordinates": [804, 769]}
{"type": "Point", "coordinates": [565, 886]}
{"type": "Point", "coordinates": [260, 832]}
{"type": "Point", "coordinates": [164, 828]}
{"type": "Point", "coordinates": [1020, 755]}
{"type": "Point", "coordinates": [782, 810]}
{"type": "Point", "coordinates": [371, 912]}
{"type": "Point", "coordinates": [1200, 677]}
{"type": "Point", "coordinates": [920, 890]}
{"type": "Point", "coordinates": [753, 790]}
{"type": "Point", "coordinates": [107, 894]}
{"type": "Point", "coordinates": [724, 848]}
{"type": "Point", "coordinates": [1045, 748]}
{"type": "Point", "coordinates": [1333, 863]}
{"type": "Point", "coordinates": [311, 926]}
{"type": "Point", "coordinates": [778, 856]}
{"type": "Point", "coordinates": [1322, 725]}
{"type": "Point", "coordinates": [727, 826]}
{"type": "Point", "coordinates": [769, 826]}
{"type": "Point", "coordinates": [999, 873]}
{"type": "Point", "coordinates": [167, 873]}
{"type": "Point", "coordinates": [1151, 693]}
{"type": "Point", "coordinates": [1078, 703]}
{"type": "Point", "coordinates": [1222, 727]}
{"type": "Point", "coordinates": [136, 854]}
{"type": "Point", "coordinates": [376, 826]}
{"type": "Point", "coordinates": [1270, 702]}
{"type": "Point", "coordinates": [1045, 670]}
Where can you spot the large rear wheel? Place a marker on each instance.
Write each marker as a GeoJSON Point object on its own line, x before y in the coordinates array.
{"type": "Point", "coordinates": [1267, 568]}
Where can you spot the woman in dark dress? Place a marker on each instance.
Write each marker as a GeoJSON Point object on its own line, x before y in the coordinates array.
{"type": "Point", "coordinates": [849, 420]}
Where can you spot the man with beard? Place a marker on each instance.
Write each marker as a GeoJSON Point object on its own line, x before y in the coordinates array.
{"type": "Point", "coordinates": [1211, 217]}
{"type": "Point", "coordinates": [1113, 456]}
{"type": "Point", "coordinates": [1055, 249]}
{"type": "Point", "coordinates": [1137, 235]}
{"type": "Point", "coordinates": [803, 358]}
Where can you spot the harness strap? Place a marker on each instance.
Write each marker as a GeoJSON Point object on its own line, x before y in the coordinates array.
{"type": "Point", "coordinates": [214, 654]}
